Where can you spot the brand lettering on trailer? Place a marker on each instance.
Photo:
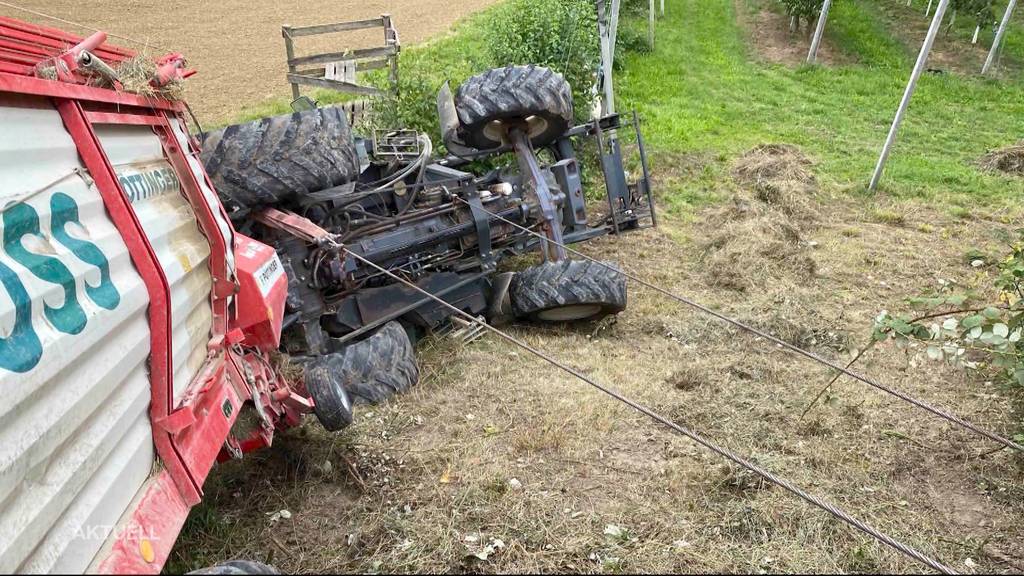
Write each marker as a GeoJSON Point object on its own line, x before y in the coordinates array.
{"type": "Point", "coordinates": [145, 183]}
{"type": "Point", "coordinates": [268, 274]}
{"type": "Point", "coordinates": [21, 348]}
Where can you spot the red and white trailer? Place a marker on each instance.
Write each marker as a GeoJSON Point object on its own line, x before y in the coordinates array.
{"type": "Point", "coordinates": [135, 324]}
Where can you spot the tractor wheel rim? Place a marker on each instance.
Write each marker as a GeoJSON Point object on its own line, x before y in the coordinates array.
{"type": "Point", "coordinates": [568, 313]}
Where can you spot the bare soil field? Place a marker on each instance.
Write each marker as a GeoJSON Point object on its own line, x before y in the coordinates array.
{"type": "Point", "coordinates": [235, 45]}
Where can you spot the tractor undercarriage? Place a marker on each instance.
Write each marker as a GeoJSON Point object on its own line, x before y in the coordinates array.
{"type": "Point", "coordinates": [441, 224]}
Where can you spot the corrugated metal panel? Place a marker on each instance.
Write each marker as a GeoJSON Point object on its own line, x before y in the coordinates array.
{"type": "Point", "coordinates": [172, 229]}
{"type": "Point", "coordinates": [212, 200]}
{"type": "Point", "coordinates": [75, 439]}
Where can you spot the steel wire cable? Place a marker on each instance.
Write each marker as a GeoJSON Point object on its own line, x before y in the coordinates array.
{"type": "Point", "coordinates": [832, 509]}
{"type": "Point", "coordinates": [791, 347]}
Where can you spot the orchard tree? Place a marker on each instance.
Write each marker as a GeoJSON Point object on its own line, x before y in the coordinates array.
{"type": "Point", "coordinates": [981, 11]}
{"type": "Point", "coordinates": [805, 10]}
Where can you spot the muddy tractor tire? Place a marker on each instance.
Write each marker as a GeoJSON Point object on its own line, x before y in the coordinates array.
{"type": "Point", "coordinates": [536, 97]}
{"type": "Point", "coordinates": [273, 160]}
{"type": "Point", "coordinates": [367, 372]}
{"type": "Point", "coordinates": [331, 403]}
{"type": "Point", "coordinates": [238, 567]}
{"type": "Point", "coordinates": [568, 291]}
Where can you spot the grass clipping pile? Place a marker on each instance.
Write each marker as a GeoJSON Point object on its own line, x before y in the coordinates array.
{"type": "Point", "coordinates": [1009, 160]}
{"type": "Point", "coordinates": [759, 235]}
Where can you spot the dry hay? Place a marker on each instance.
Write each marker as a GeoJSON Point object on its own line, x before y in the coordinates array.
{"type": "Point", "coordinates": [776, 163]}
{"type": "Point", "coordinates": [1009, 160]}
{"type": "Point", "coordinates": [135, 75]}
{"type": "Point", "coordinates": [759, 235]}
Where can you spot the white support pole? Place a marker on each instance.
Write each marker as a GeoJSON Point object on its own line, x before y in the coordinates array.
{"type": "Point", "coordinates": [650, 25]}
{"type": "Point", "coordinates": [812, 55]}
{"type": "Point", "coordinates": [922, 59]}
{"type": "Point", "coordinates": [999, 37]}
{"type": "Point", "coordinates": [662, 7]}
{"type": "Point", "coordinates": [614, 31]}
{"type": "Point", "coordinates": [928, 10]}
{"type": "Point", "coordinates": [608, 20]}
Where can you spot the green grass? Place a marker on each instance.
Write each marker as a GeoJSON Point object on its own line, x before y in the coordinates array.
{"type": "Point", "coordinates": [859, 29]}
{"type": "Point", "coordinates": [898, 15]}
{"type": "Point", "coordinates": [702, 93]}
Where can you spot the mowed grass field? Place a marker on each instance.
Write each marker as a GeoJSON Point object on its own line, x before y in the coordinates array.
{"type": "Point", "coordinates": [704, 90]}
{"type": "Point", "coordinates": [499, 463]}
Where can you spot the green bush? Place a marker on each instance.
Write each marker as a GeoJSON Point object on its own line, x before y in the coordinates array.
{"type": "Point", "coordinates": [984, 335]}
{"type": "Point", "coordinates": [980, 10]}
{"type": "Point", "coordinates": [415, 107]}
{"type": "Point", "coordinates": [559, 34]}
{"type": "Point", "coordinates": [803, 10]}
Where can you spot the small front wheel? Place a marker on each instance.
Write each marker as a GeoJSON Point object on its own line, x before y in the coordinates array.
{"type": "Point", "coordinates": [367, 372]}
{"type": "Point", "coordinates": [534, 97]}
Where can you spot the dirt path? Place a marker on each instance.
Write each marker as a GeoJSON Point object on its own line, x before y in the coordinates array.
{"type": "Point", "coordinates": [771, 41]}
{"type": "Point", "coordinates": [237, 45]}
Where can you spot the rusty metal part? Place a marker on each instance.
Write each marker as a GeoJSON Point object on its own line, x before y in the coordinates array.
{"type": "Point", "coordinates": [530, 168]}
{"type": "Point", "coordinates": [295, 225]}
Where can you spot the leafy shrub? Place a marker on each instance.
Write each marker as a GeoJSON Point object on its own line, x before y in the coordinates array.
{"type": "Point", "coordinates": [415, 107]}
{"type": "Point", "coordinates": [630, 38]}
{"type": "Point", "coordinates": [803, 10]}
{"type": "Point", "coordinates": [967, 332]}
{"type": "Point", "coordinates": [559, 34]}
{"type": "Point", "coordinates": [980, 10]}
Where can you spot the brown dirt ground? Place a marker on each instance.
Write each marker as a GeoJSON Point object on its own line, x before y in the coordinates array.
{"type": "Point", "coordinates": [236, 45]}
{"type": "Point", "coordinates": [771, 40]}
{"type": "Point", "coordinates": [426, 481]}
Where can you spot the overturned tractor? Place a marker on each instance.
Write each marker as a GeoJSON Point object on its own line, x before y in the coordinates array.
{"type": "Point", "coordinates": [304, 184]}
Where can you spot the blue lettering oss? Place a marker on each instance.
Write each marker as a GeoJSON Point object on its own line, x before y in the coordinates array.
{"type": "Point", "coordinates": [21, 220]}
{"type": "Point", "coordinates": [64, 210]}
{"type": "Point", "coordinates": [21, 350]}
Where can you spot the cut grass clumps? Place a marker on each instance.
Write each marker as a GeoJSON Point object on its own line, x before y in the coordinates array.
{"type": "Point", "coordinates": [1009, 160]}
{"type": "Point", "coordinates": [780, 176]}
{"type": "Point", "coordinates": [775, 162]}
{"type": "Point", "coordinates": [759, 235]}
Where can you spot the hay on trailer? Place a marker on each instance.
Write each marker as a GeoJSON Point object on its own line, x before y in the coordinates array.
{"type": "Point", "coordinates": [1009, 160]}
{"type": "Point", "coordinates": [135, 75]}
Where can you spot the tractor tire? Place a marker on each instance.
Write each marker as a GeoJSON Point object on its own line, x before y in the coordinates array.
{"type": "Point", "coordinates": [238, 567]}
{"type": "Point", "coordinates": [331, 403]}
{"type": "Point", "coordinates": [273, 160]}
{"type": "Point", "coordinates": [381, 366]}
{"type": "Point", "coordinates": [567, 291]}
{"type": "Point", "coordinates": [536, 96]}
{"type": "Point", "coordinates": [367, 372]}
